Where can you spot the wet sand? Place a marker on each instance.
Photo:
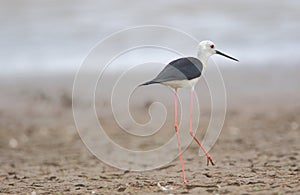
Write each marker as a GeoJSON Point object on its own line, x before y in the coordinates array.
{"type": "Point", "coordinates": [256, 153]}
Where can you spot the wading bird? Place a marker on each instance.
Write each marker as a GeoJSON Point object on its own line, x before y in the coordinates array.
{"type": "Point", "coordinates": [185, 73]}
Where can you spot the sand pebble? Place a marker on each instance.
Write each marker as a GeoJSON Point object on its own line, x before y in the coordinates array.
{"type": "Point", "coordinates": [121, 189]}
{"type": "Point", "coordinates": [294, 125]}
{"type": "Point", "coordinates": [13, 143]}
{"type": "Point", "coordinates": [164, 188]}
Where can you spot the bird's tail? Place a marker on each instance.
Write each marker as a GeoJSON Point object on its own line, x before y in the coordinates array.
{"type": "Point", "coordinates": [147, 83]}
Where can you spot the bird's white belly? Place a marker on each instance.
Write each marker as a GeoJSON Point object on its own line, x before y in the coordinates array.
{"type": "Point", "coordinates": [182, 83]}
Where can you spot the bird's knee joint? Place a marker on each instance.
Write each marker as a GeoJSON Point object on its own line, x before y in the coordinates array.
{"type": "Point", "coordinates": [176, 128]}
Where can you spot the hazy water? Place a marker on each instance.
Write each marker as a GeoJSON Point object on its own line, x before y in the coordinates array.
{"type": "Point", "coordinates": [39, 36]}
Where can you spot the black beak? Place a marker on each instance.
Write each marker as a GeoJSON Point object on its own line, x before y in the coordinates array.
{"type": "Point", "coordinates": [227, 56]}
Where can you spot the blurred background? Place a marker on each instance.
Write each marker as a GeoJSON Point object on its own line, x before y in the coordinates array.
{"type": "Point", "coordinates": [55, 36]}
{"type": "Point", "coordinates": [43, 44]}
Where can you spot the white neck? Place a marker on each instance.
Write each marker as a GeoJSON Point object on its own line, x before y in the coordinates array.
{"type": "Point", "coordinates": [203, 57]}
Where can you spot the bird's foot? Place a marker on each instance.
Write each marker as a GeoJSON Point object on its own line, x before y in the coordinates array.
{"type": "Point", "coordinates": [209, 160]}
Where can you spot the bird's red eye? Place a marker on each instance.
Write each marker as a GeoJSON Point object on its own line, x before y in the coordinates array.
{"type": "Point", "coordinates": [212, 46]}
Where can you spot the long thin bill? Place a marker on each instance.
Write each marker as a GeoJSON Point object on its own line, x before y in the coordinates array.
{"type": "Point", "coordinates": [227, 56]}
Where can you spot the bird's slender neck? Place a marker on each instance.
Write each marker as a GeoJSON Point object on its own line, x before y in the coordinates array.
{"type": "Point", "coordinates": [203, 57]}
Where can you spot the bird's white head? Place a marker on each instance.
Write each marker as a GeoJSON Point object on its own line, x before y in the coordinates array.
{"type": "Point", "coordinates": [206, 49]}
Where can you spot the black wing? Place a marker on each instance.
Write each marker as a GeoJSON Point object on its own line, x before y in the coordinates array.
{"type": "Point", "coordinates": [180, 69]}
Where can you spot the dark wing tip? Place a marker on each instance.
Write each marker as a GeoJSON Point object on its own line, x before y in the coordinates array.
{"type": "Point", "coordinates": [147, 83]}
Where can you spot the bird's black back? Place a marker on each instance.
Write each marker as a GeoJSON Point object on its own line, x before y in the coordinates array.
{"type": "Point", "coordinates": [186, 68]}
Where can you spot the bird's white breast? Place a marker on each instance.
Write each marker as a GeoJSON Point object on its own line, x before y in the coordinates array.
{"type": "Point", "coordinates": [182, 83]}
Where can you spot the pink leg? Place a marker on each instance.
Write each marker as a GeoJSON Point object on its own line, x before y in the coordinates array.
{"type": "Point", "coordinates": [177, 135]}
{"type": "Point", "coordinates": [209, 160]}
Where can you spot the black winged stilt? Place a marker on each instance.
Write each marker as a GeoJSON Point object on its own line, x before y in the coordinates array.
{"type": "Point", "coordinates": [185, 73]}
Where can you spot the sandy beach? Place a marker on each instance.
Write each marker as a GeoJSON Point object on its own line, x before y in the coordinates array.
{"type": "Point", "coordinates": [256, 153]}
